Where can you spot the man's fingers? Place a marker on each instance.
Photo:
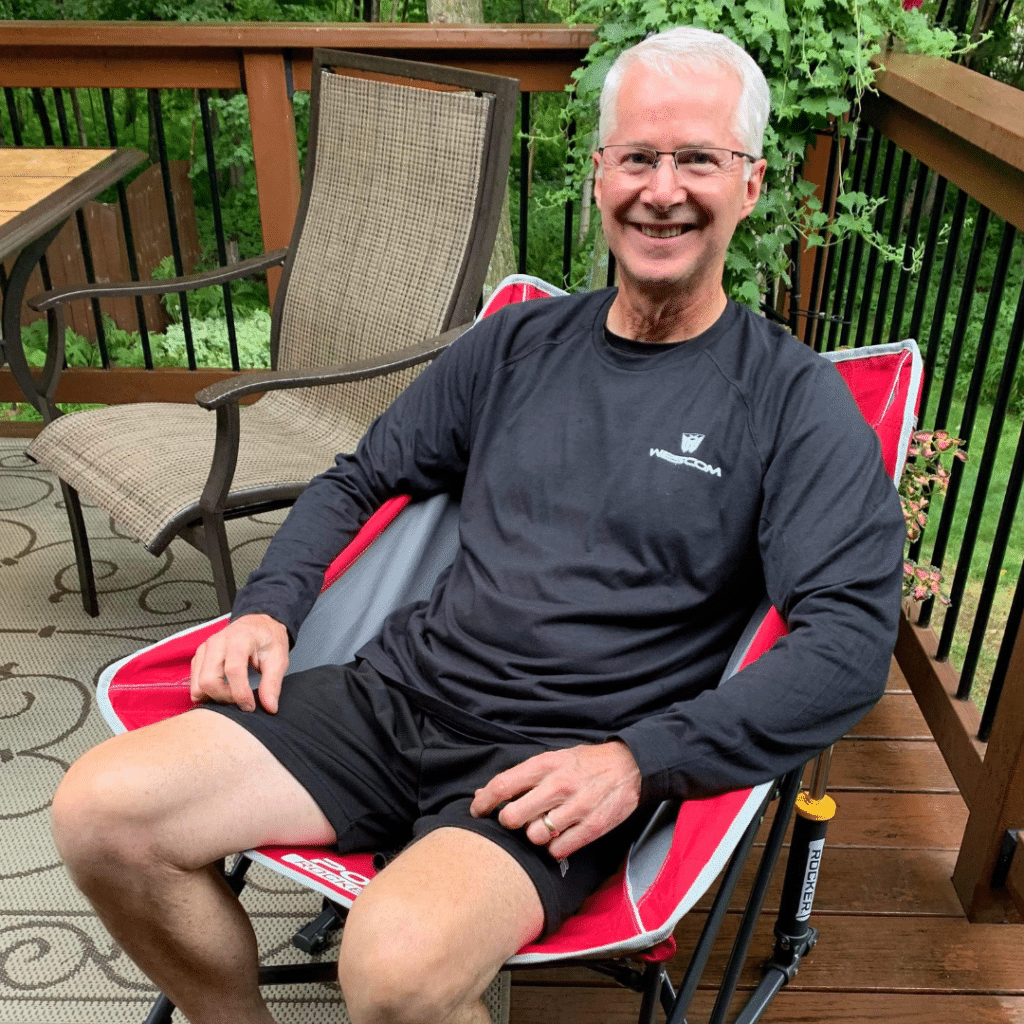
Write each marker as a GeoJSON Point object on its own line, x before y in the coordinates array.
{"type": "Point", "coordinates": [272, 666]}
{"type": "Point", "coordinates": [220, 666]}
{"type": "Point", "coordinates": [509, 784]}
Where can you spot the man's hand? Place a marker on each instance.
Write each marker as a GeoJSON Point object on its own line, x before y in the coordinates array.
{"type": "Point", "coordinates": [220, 667]}
{"type": "Point", "coordinates": [566, 798]}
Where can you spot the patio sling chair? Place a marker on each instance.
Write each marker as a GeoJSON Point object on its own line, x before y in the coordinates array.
{"type": "Point", "coordinates": [404, 179]}
{"type": "Point", "coordinates": [625, 929]}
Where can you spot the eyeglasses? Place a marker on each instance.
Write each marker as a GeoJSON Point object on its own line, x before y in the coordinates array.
{"type": "Point", "coordinates": [692, 163]}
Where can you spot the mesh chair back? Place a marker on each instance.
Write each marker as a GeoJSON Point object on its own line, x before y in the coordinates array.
{"type": "Point", "coordinates": [387, 230]}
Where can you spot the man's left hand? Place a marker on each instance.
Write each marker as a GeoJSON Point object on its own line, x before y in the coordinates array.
{"type": "Point", "coordinates": [565, 798]}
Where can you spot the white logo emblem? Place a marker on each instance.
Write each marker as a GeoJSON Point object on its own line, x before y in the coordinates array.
{"type": "Point", "coordinates": [689, 443]}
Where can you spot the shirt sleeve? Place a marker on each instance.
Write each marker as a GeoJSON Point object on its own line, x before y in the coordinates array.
{"type": "Point", "coordinates": [831, 538]}
{"type": "Point", "coordinates": [419, 446]}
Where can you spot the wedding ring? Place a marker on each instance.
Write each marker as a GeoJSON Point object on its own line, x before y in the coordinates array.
{"type": "Point", "coordinates": [547, 824]}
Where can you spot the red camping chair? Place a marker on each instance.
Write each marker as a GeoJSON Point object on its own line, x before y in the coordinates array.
{"type": "Point", "coordinates": [630, 920]}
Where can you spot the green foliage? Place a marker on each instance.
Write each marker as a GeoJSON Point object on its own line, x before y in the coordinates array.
{"type": "Point", "coordinates": [816, 56]}
{"type": "Point", "coordinates": [209, 338]}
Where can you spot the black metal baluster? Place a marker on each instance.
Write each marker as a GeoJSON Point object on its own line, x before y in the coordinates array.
{"type": "Point", "coordinates": [967, 545]}
{"type": "Point", "coordinates": [83, 238]}
{"type": "Point", "coordinates": [896, 202]}
{"type": "Point", "coordinates": [524, 175]}
{"type": "Point", "coordinates": [946, 398]}
{"type": "Point", "coordinates": [913, 226]}
{"type": "Point", "coordinates": [129, 236]}
{"type": "Point", "coordinates": [12, 113]}
{"type": "Point", "coordinates": [156, 113]}
{"type": "Point", "coordinates": [218, 224]}
{"type": "Point", "coordinates": [39, 104]}
{"type": "Point", "coordinates": [869, 274]}
{"type": "Point", "coordinates": [995, 689]}
{"type": "Point", "coordinates": [935, 335]}
{"type": "Point", "coordinates": [860, 144]}
{"type": "Point", "coordinates": [921, 295]}
{"type": "Point", "coordinates": [1011, 495]}
{"type": "Point", "coordinates": [858, 250]}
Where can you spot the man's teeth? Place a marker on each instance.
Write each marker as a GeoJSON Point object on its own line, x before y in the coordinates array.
{"type": "Point", "coordinates": [664, 232]}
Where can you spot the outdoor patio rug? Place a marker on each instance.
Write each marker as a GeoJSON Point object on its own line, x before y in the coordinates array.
{"type": "Point", "coordinates": [57, 963]}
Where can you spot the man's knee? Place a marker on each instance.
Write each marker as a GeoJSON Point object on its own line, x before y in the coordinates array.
{"type": "Point", "coordinates": [102, 814]}
{"type": "Point", "coordinates": [401, 975]}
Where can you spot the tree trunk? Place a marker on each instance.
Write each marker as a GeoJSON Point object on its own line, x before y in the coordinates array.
{"type": "Point", "coordinates": [503, 259]}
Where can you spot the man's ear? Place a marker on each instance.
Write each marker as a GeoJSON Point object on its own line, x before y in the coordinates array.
{"type": "Point", "coordinates": [754, 183]}
{"type": "Point", "coordinates": [596, 157]}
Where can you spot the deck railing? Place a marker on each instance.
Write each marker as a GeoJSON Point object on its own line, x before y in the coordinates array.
{"type": "Point", "coordinates": [945, 145]}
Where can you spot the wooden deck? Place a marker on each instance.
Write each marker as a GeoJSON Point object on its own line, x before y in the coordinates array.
{"type": "Point", "coordinates": [895, 947]}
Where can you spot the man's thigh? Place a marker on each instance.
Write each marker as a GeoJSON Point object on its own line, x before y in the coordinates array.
{"type": "Point", "coordinates": [197, 787]}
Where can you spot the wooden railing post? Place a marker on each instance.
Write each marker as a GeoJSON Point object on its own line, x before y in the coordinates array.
{"type": "Point", "coordinates": [275, 150]}
{"type": "Point", "coordinates": [998, 804]}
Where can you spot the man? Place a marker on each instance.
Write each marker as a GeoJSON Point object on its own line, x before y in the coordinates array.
{"type": "Point", "coordinates": [560, 679]}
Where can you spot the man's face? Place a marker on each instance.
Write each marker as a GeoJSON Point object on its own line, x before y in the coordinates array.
{"type": "Point", "coordinates": [669, 235]}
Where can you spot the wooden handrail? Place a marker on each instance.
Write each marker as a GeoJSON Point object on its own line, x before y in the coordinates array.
{"type": "Point", "coordinates": [965, 126]}
{"type": "Point", "coordinates": [186, 55]}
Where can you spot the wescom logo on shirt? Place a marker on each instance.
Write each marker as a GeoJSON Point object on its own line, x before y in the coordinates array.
{"type": "Point", "coordinates": [689, 443]}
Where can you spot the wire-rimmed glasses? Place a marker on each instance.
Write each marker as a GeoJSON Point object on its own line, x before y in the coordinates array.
{"type": "Point", "coordinates": [692, 163]}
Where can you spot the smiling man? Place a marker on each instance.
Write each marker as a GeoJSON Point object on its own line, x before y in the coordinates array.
{"type": "Point", "coordinates": [637, 467]}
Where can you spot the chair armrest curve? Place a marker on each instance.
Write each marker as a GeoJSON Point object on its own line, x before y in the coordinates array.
{"type": "Point", "coordinates": [222, 275]}
{"type": "Point", "coordinates": [235, 388]}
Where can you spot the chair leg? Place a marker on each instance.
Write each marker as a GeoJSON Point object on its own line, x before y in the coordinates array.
{"type": "Point", "coordinates": [80, 539]}
{"type": "Point", "coordinates": [216, 542]}
{"type": "Point", "coordinates": [161, 1012]}
{"type": "Point", "coordinates": [654, 976]}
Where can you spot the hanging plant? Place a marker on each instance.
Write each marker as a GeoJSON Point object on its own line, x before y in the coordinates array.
{"type": "Point", "coordinates": [816, 56]}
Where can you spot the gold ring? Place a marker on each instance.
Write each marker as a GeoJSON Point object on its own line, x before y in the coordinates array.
{"type": "Point", "coordinates": [547, 824]}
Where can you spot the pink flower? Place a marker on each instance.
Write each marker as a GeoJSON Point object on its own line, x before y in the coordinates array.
{"type": "Point", "coordinates": [910, 5]}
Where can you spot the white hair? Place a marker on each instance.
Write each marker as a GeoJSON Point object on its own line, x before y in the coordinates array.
{"type": "Point", "coordinates": [695, 48]}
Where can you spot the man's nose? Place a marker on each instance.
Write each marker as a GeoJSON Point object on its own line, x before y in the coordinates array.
{"type": "Point", "coordinates": [664, 186]}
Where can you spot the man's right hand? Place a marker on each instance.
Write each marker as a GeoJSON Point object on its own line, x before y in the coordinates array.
{"type": "Point", "coordinates": [220, 666]}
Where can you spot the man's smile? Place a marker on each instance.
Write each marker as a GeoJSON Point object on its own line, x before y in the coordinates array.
{"type": "Point", "coordinates": [664, 230]}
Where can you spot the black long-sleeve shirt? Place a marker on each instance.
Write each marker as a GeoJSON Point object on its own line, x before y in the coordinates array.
{"type": "Point", "coordinates": [624, 507]}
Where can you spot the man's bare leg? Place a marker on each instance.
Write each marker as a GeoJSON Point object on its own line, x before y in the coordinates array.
{"type": "Point", "coordinates": [429, 933]}
{"type": "Point", "coordinates": [140, 820]}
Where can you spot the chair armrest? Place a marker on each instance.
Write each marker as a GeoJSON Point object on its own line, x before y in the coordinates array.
{"type": "Point", "coordinates": [47, 300]}
{"type": "Point", "coordinates": [235, 388]}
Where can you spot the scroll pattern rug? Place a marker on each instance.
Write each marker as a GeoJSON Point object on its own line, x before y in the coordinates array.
{"type": "Point", "coordinates": [57, 963]}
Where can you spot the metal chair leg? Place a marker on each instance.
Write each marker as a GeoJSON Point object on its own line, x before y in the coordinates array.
{"type": "Point", "coordinates": [162, 1011]}
{"type": "Point", "coordinates": [215, 540]}
{"type": "Point", "coordinates": [80, 539]}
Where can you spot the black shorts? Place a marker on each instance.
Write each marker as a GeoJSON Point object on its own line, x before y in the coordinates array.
{"type": "Point", "coordinates": [385, 773]}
